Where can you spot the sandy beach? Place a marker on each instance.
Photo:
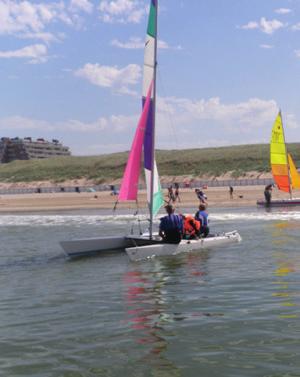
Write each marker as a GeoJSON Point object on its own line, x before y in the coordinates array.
{"type": "Point", "coordinates": [244, 196]}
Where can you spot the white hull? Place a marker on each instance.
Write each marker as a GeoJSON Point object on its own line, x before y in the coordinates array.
{"type": "Point", "coordinates": [185, 246]}
{"type": "Point", "coordinates": [91, 246]}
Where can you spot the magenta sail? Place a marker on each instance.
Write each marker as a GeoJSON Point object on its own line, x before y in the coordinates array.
{"type": "Point", "coordinates": [130, 182]}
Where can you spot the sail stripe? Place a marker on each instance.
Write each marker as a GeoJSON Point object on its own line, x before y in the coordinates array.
{"type": "Point", "coordinates": [278, 169]}
{"type": "Point", "coordinates": [158, 199]}
{"type": "Point", "coordinates": [151, 30]}
{"type": "Point", "coordinates": [148, 150]}
{"type": "Point", "coordinates": [282, 182]}
{"type": "Point", "coordinates": [129, 186]}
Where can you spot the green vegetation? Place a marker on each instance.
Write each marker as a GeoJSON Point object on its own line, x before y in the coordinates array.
{"type": "Point", "coordinates": [195, 162]}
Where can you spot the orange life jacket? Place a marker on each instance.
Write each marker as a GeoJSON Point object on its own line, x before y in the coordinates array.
{"type": "Point", "coordinates": [191, 226]}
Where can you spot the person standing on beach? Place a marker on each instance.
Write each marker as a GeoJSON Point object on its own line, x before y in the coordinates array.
{"type": "Point", "coordinates": [176, 194]}
{"type": "Point", "coordinates": [171, 196]}
{"type": "Point", "coordinates": [231, 192]}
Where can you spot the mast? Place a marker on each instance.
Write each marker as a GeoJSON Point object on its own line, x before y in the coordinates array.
{"type": "Point", "coordinates": [153, 130]}
{"type": "Point", "coordinates": [286, 154]}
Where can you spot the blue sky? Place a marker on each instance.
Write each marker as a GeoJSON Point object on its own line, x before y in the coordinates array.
{"type": "Point", "coordinates": [72, 70]}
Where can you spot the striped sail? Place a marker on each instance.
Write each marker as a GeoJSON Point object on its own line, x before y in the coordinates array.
{"type": "Point", "coordinates": [279, 160]}
{"type": "Point", "coordinates": [129, 186]}
{"type": "Point", "coordinates": [149, 75]}
{"type": "Point", "coordinates": [295, 177]}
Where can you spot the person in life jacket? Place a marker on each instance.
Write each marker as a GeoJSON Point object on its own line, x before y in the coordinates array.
{"type": "Point", "coordinates": [191, 227]}
{"type": "Point", "coordinates": [171, 226]}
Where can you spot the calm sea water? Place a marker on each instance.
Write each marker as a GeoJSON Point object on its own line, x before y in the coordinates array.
{"type": "Point", "coordinates": [228, 312]}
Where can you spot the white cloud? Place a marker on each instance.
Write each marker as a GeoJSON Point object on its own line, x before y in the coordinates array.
{"type": "Point", "coordinates": [19, 123]}
{"type": "Point", "coordinates": [297, 52]}
{"type": "Point", "coordinates": [137, 43]}
{"type": "Point", "coordinates": [111, 77]}
{"type": "Point", "coordinates": [114, 123]}
{"type": "Point", "coordinates": [233, 119]}
{"type": "Point", "coordinates": [29, 20]}
{"type": "Point", "coordinates": [199, 123]}
{"type": "Point", "coordinates": [43, 36]}
{"type": "Point", "coordinates": [291, 121]}
{"type": "Point", "coordinates": [296, 27]}
{"type": "Point", "coordinates": [283, 11]}
{"type": "Point", "coordinates": [24, 16]}
{"type": "Point", "coordinates": [37, 53]}
{"type": "Point", "coordinates": [81, 5]}
{"type": "Point", "coordinates": [268, 27]}
{"type": "Point", "coordinates": [266, 46]}
{"type": "Point", "coordinates": [123, 11]}
{"type": "Point", "coordinates": [133, 43]}
{"type": "Point", "coordinates": [250, 25]}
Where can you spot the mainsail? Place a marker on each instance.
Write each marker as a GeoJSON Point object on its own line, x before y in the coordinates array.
{"type": "Point", "coordinates": [154, 193]}
{"type": "Point", "coordinates": [145, 133]}
{"type": "Point", "coordinates": [279, 160]}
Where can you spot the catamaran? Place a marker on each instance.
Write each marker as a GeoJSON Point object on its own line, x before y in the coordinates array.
{"type": "Point", "coordinates": [284, 171]}
{"type": "Point", "coordinates": [148, 244]}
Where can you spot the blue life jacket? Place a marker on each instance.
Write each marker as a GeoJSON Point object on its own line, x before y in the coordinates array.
{"type": "Point", "coordinates": [202, 216]}
{"type": "Point", "coordinates": [171, 222]}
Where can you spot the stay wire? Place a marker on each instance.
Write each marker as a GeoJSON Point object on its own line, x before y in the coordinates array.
{"type": "Point", "coordinates": [172, 126]}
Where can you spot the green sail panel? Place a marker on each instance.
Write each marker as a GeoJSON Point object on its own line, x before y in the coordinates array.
{"type": "Point", "coordinates": [151, 30]}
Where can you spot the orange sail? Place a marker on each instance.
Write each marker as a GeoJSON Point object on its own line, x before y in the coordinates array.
{"type": "Point", "coordinates": [279, 160]}
{"type": "Point", "coordinates": [295, 177]}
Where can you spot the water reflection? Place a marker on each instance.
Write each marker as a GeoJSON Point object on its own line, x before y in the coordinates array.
{"type": "Point", "coordinates": [154, 292]}
{"type": "Point", "coordinates": [285, 266]}
{"type": "Point", "coordinates": [147, 311]}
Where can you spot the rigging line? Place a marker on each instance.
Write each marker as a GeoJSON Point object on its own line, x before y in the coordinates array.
{"type": "Point", "coordinates": [169, 113]}
{"type": "Point", "coordinates": [172, 124]}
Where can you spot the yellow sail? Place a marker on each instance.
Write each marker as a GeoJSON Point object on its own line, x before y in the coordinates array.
{"type": "Point", "coordinates": [278, 156]}
{"type": "Point", "coordinates": [295, 177]}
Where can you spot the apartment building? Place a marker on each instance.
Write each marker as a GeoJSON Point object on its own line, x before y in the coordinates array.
{"type": "Point", "coordinates": [26, 149]}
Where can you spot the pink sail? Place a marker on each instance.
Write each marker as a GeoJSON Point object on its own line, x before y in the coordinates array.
{"type": "Point", "coordinates": [129, 187]}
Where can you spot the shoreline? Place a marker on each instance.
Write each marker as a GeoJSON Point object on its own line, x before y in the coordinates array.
{"type": "Point", "coordinates": [243, 196]}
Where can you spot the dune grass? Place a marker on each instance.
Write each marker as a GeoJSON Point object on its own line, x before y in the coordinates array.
{"type": "Point", "coordinates": [105, 168]}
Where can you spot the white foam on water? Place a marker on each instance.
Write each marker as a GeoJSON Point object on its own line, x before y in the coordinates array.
{"type": "Point", "coordinates": [76, 220]}
{"type": "Point", "coordinates": [263, 216]}
{"type": "Point", "coordinates": [56, 220]}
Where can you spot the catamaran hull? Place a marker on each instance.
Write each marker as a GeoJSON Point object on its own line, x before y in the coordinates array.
{"type": "Point", "coordinates": [185, 246]}
{"type": "Point", "coordinates": [92, 246]}
{"type": "Point", "coordinates": [279, 203]}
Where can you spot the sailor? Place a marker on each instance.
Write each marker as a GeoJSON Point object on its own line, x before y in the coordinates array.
{"type": "Point", "coordinates": [202, 216]}
{"type": "Point", "coordinates": [268, 194]}
{"type": "Point", "coordinates": [200, 195]}
{"type": "Point", "coordinates": [171, 195]}
{"type": "Point", "coordinates": [171, 226]}
{"type": "Point", "coordinates": [191, 227]}
{"type": "Point", "coordinates": [176, 193]}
